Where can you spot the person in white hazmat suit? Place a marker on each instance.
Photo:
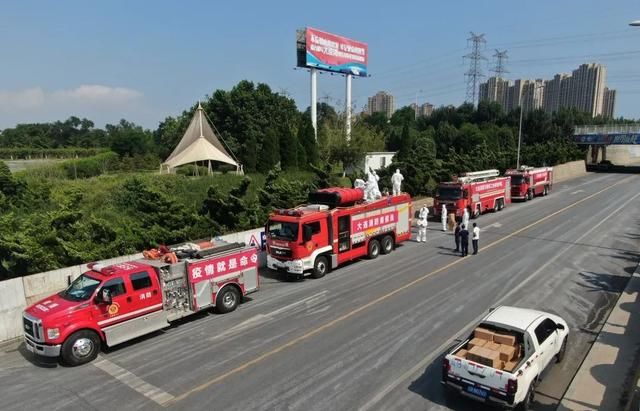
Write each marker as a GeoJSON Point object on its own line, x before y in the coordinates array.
{"type": "Point", "coordinates": [465, 217]}
{"type": "Point", "coordinates": [396, 182]}
{"type": "Point", "coordinates": [443, 217]}
{"type": "Point", "coordinates": [422, 224]}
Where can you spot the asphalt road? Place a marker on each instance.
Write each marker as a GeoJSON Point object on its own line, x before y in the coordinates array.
{"type": "Point", "coordinates": [370, 335]}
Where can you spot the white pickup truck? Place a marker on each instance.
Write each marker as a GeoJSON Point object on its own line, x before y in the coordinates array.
{"type": "Point", "coordinates": [503, 359]}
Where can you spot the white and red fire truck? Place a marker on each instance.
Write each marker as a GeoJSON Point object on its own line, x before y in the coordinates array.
{"type": "Point", "coordinates": [116, 303]}
{"type": "Point", "coordinates": [476, 191]}
{"type": "Point", "coordinates": [528, 182]}
{"type": "Point", "coordinates": [335, 227]}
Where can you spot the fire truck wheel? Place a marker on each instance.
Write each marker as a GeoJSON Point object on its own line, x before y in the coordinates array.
{"type": "Point", "coordinates": [387, 244]}
{"type": "Point", "coordinates": [80, 348]}
{"type": "Point", "coordinates": [374, 249]}
{"type": "Point", "coordinates": [320, 267]}
{"type": "Point", "coordinates": [227, 300]}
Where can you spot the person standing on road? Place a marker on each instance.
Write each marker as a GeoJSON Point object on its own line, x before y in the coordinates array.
{"type": "Point", "coordinates": [456, 235]}
{"type": "Point", "coordinates": [464, 240]}
{"type": "Point", "coordinates": [475, 237]}
{"type": "Point", "coordinates": [465, 217]}
{"type": "Point", "coordinates": [422, 224]}
{"type": "Point", "coordinates": [443, 217]}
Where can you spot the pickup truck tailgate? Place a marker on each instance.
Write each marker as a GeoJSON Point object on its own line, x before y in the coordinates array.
{"type": "Point", "coordinates": [477, 380]}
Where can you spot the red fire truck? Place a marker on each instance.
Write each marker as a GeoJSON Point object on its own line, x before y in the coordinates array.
{"type": "Point", "coordinates": [116, 303]}
{"type": "Point", "coordinates": [476, 191]}
{"type": "Point", "coordinates": [528, 182]}
{"type": "Point", "coordinates": [336, 226]}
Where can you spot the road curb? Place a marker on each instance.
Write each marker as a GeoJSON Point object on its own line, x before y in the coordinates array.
{"type": "Point", "coordinates": [614, 342]}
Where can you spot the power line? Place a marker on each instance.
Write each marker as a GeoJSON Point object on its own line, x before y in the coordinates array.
{"type": "Point", "coordinates": [474, 74]}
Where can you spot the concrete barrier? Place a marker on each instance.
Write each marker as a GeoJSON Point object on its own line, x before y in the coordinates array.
{"type": "Point", "coordinates": [567, 171]}
{"type": "Point", "coordinates": [12, 302]}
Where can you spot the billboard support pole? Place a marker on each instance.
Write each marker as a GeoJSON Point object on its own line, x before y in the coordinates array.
{"type": "Point", "coordinates": [314, 100]}
{"type": "Point", "coordinates": [347, 108]}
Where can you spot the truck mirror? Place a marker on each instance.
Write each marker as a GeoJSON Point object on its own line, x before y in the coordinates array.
{"type": "Point", "coordinates": [105, 296]}
{"type": "Point", "coordinates": [307, 232]}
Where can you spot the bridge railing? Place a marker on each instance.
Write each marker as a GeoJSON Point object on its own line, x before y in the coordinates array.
{"type": "Point", "coordinates": [607, 129]}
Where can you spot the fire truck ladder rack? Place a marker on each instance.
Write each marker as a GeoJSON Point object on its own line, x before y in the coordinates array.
{"type": "Point", "coordinates": [526, 168]}
{"type": "Point", "coordinates": [478, 175]}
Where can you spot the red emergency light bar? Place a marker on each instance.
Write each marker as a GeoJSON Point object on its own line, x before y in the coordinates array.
{"type": "Point", "coordinates": [294, 213]}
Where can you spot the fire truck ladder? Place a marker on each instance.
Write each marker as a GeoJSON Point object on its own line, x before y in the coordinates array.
{"type": "Point", "coordinates": [478, 175]}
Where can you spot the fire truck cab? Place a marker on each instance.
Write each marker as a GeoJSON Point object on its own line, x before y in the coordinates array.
{"type": "Point", "coordinates": [337, 226]}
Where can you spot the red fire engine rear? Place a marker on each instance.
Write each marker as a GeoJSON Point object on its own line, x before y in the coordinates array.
{"type": "Point", "coordinates": [337, 226]}
{"type": "Point", "coordinates": [528, 182]}
{"type": "Point", "coordinates": [477, 191]}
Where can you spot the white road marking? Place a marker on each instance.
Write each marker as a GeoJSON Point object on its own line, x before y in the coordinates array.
{"type": "Point", "coordinates": [496, 225]}
{"type": "Point", "coordinates": [429, 359]}
{"type": "Point", "coordinates": [133, 381]}
{"type": "Point", "coordinates": [576, 192]}
{"type": "Point", "coordinates": [262, 318]}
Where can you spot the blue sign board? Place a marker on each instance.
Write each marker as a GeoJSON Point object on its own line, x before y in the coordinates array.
{"type": "Point", "coordinates": [606, 139]}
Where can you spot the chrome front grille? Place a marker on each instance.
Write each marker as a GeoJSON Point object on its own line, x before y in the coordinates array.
{"type": "Point", "coordinates": [33, 327]}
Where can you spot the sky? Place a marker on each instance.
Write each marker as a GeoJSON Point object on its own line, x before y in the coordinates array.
{"type": "Point", "coordinates": [146, 60]}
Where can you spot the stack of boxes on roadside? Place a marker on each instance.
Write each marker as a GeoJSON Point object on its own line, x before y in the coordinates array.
{"type": "Point", "coordinates": [493, 349]}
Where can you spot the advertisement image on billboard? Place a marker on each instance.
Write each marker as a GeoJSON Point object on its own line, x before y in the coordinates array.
{"type": "Point", "coordinates": [329, 52]}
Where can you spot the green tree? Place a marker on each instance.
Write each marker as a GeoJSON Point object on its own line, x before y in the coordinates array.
{"type": "Point", "coordinates": [128, 139]}
{"type": "Point", "coordinates": [270, 152]}
{"type": "Point", "coordinates": [306, 138]}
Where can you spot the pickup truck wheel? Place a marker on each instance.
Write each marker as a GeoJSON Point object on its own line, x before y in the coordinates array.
{"type": "Point", "coordinates": [80, 348]}
{"type": "Point", "coordinates": [526, 404]}
{"type": "Point", "coordinates": [374, 249]}
{"type": "Point", "coordinates": [387, 244]}
{"type": "Point", "coordinates": [563, 349]}
{"type": "Point", "coordinates": [227, 300]}
{"type": "Point", "coordinates": [320, 267]}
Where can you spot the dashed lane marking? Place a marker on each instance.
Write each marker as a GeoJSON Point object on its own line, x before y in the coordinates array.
{"type": "Point", "coordinates": [134, 382]}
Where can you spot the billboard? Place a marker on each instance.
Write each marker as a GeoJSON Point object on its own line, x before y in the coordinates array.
{"type": "Point", "coordinates": [329, 52]}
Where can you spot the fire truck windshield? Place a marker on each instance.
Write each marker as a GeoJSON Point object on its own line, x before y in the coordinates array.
{"type": "Point", "coordinates": [449, 193]}
{"type": "Point", "coordinates": [517, 180]}
{"type": "Point", "coordinates": [284, 230]}
{"type": "Point", "coordinates": [81, 289]}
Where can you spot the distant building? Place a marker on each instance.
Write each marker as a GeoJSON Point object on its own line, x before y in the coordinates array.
{"type": "Point", "coordinates": [587, 88]}
{"type": "Point", "coordinates": [556, 92]}
{"type": "Point", "coordinates": [608, 103]}
{"type": "Point", "coordinates": [532, 94]}
{"type": "Point", "coordinates": [584, 89]}
{"type": "Point", "coordinates": [496, 89]}
{"type": "Point", "coordinates": [382, 102]}
{"type": "Point", "coordinates": [423, 110]}
{"type": "Point", "coordinates": [377, 160]}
